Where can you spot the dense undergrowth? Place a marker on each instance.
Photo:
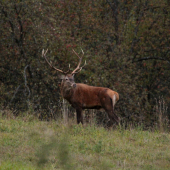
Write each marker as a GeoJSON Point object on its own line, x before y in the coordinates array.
{"type": "Point", "coordinates": [27, 144]}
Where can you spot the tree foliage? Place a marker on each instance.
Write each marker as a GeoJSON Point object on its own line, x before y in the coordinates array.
{"type": "Point", "coordinates": [126, 45]}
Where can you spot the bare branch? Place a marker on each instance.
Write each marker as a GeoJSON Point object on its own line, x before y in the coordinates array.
{"type": "Point", "coordinates": [16, 91]}
{"type": "Point", "coordinates": [151, 58]}
{"type": "Point", "coordinates": [25, 77]}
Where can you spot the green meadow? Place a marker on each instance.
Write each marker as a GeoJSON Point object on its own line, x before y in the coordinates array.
{"type": "Point", "coordinates": [29, 144]}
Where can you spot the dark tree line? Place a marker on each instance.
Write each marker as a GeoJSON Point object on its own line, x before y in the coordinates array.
{"type": "Point", "coordinates": [126, 45]}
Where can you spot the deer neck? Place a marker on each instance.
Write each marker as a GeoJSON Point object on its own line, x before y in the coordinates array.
{"type": "Point", "coordinates": [67, 90]}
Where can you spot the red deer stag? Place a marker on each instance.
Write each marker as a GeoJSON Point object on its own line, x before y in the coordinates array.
{"type": "Point", "coordinates": [82, 96]}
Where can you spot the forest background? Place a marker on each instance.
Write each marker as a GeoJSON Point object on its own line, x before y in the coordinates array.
{"type": "Point", "coordinates": [126, 45]}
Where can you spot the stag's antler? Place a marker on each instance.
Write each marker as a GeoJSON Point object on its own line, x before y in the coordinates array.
{"type": "Point", "coordinates": [78, 68]}
{"type": "Point", "coordinates": [44, 55]}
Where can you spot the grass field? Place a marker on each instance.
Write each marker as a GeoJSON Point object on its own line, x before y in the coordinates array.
{"type": "Point", "coordinates": [28, 144]}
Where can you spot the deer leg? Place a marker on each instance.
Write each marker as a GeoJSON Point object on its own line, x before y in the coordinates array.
{"type": "Point", "coordinates": [79, 116]}
{"type": "Point", "coordinates": [109, 108]}
{"type": "Point", "coordinates": [113, 119]}
{"type": "Point", "coordinates": [112, 116]}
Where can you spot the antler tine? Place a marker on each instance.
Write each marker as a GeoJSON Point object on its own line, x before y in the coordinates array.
{"type": "Point", "coordinates": [45, 52]}
{"type": "Point", "coordinates": [75, 72]}
{"type": "Point", "coordinates": [76, 54]}
{"type": "Point", "coordinates": [78, 68]}
{"type": "Point", "coordinates": [44, 55]}
{"type": "Point", "coordinates": [82, 51]}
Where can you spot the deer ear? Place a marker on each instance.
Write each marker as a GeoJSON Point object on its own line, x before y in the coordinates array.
{"type": "Point", "coordinates": [73, 75]}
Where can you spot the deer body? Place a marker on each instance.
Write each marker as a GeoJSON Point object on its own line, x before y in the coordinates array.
{"type": "Point", "coordinates": [82, 96]}
{"type": "Point", "coordinates": [90, 97]}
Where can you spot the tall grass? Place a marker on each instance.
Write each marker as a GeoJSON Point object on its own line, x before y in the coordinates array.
{"type": "Point", "coordinates": [27, 143]}
{"type": "Point", "coordinates": [161, 115]}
